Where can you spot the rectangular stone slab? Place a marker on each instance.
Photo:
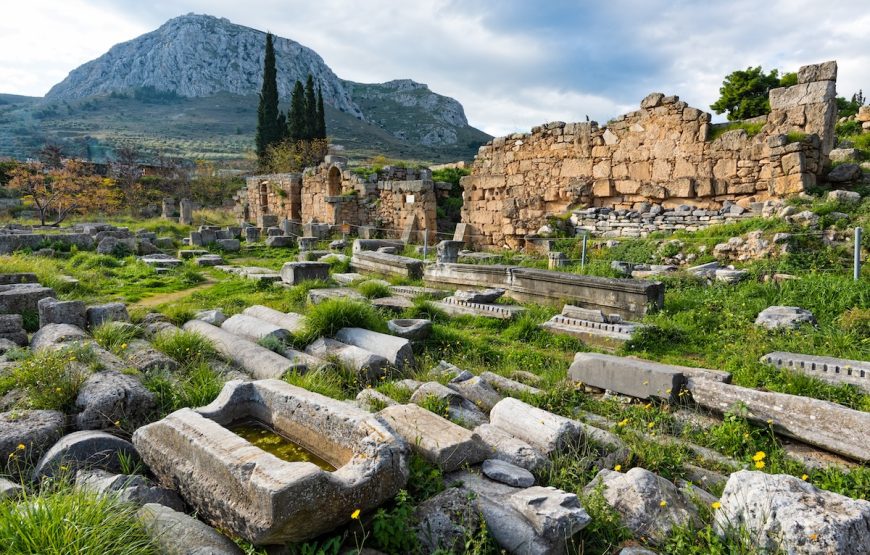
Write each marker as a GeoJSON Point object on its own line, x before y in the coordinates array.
{"type": "Point", "coordinates": [830, 369]}
{"type": "Point", "coordinates": [20, 298]}
{"type": "Point", "coordinates": [259, 361]}
{"type": "Point", "coordinates": [395, 349]}
{"type": "Point", "coordinates": [824, 424]}
{"type": "Point", "coordinates": [606, 336]}
{"type": "Point", "coordinates": [467, 275]}
{"type": "Point", "coordinates": [254, 329]}
{"type": "Point", "coordinates": [436, 439]}
{"type": "Point", "coordinates": [454, 307]}
{"type": "Point", "coordinates": [635, 377]}
{"type": "Point", "coordinates": [290, 321]}
{"type": "Point", "coordinates": [295, 273]}
{"type": "Point", "coordinates": [387, 264]}
{"type": "Point", "coordinates": [317, 296]}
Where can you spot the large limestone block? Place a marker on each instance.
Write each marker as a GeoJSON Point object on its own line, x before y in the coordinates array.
{"type": "Point", "coordinates": [387, 264]}
{"type": "Point", "coordinates": [396, 350]}
{"type": "Point", "coordinates": [459, 408]}
{"type": "Point", "coordinates": [802, 94]}
{"type": "Point", "coordinates": [436, 439]}
{"type": "Point", "coordinates": [36, 430]}
{"type": "Point", "coordinates": [478, 391]}
{"type": "Point", "coordinates": [786, 513]}
{"type": "Point", "coordinates": [254, 329]}
{"type": "Point", "coordinates": [826, 71]}
{"type": "Point", "coordinates": [290, 321]}
{"type": "Point", "coordinates": [649, 505]}
{"type": "Point", "coordinates": [259, 361]}
{"type": "Point", "coordinates": [128, 488]}
{"type": "Point", "coordinates": [144, 357]}
{"type": "Point", "coordinates": [20, 299]}
{"type": "Point", "coordinates": [176, 533]}
{"type": "Point", "coordinates": [639, 378]}
{"type": "Point", "coordinates": [294, 273]}
{"type": "Point", "coordinates": [240, 488]}
{"type": "Point", "coordinates": [53, 311]}
{"type": "Point", "coordinates": [830, 369]}
{"type": "Point", "coordinates": [819, 423]}
{"type": "Point", "coordinates": [53, 335]}
{"type": "Point", "coordinates": [86, 450]}
{"type": "Point", "coordinates": [545, 431]}
{"type": "Point", "coordinates": [108, 312]}
{"type": "Point", "coordinates": [108, 398]}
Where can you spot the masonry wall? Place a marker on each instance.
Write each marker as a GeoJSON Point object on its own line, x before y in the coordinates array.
{"type": "Point", "coordinates": [663, 154]}
{"type": "Point", "coordinates": [388, 199]}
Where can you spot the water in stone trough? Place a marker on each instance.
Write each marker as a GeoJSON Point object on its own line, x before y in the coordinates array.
{"type": "Point", "coordinates": [261, 435]}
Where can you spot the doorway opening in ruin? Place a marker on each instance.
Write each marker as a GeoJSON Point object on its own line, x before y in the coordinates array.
{"type": "Point", "coordinates": [334, 182]}
{"type": "Point", "coordinates": [264, 197]}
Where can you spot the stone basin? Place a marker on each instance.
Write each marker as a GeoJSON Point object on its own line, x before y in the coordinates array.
{"type": "Point", "coordinates": [239, 487]}
{"type": "Point", "coordinates": [411, 328]}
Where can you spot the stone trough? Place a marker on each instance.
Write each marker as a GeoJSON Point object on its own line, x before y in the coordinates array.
{"type": "Point", "coordinates": [241, 488]}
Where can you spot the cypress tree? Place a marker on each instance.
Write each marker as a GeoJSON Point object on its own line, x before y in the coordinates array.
{"type": "Point", "coordinates": [310, 109]}
{"type": "Point", "coordinates": [296, 116]}
{"type": "Point", "coordinates": [268, 129]}
{"type": "Point", "coordinates": [321, 116]}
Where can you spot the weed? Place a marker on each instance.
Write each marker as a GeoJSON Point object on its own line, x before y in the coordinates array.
{"type": "Point", "coordinates": [425, 480]}
{"type": "Point", "coordinates": [115, 336]}
{"type": "Point", "coordinates": [393, 530]}
{"type": "Point", "coordinates": [186, 347]}
{"type": "Point", "coordinates": [326, 318]}
{"type": "Point", "coordinates": [374, 289]}
{"type": "Point", "coordinates": [50, 379]}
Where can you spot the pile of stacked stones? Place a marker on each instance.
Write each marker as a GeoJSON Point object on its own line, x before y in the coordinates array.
{"type": "Point", "coordinates": [105, 238]}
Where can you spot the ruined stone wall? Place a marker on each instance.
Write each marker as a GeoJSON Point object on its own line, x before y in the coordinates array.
{"type": "Point", "coordinates": [389, 198]}
{"type": "Point", "coordinates": [663, 154]}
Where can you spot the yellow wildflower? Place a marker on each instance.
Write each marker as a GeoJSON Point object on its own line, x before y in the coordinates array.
{"type": "Point", "coordinates": [716, 505]}
{"type": "Point", "coordinates": [759, 464]}
{"type": "Point", "coordinates": [617, 467]}
{"type": "Point", "coordinates": [759, 456]}
{"type": "Point", "coordinates": [663, 503]}
{"type": "Point", "coordinates": [814, 537]}
{"type": "Point", "coordinates": [622, 422]}
{"type": "Point", "coordinates": [21, 447]}
{"type": "Point", "coordinates": [804, 477]}
{"type": "Point", "coordinates": [355, 515]}
{"type": "Point", "coordinates": [650, 424]}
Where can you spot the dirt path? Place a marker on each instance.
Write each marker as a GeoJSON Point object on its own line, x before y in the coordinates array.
{"type": "Point", "coordinates": [155, 300]}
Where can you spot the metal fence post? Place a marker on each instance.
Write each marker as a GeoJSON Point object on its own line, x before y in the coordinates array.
{"type": "Point", "coordinates": [425, 243]}
{"type": "Point", "coordinates": [583, 253]}
{"type": "Point", "coordinates": [857, 269]}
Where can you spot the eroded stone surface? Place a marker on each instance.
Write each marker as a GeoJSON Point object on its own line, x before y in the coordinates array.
{"type": "Point", "coordinates": [507, 473]}
{"type": "Point", "coordinates": [176, 533]}
{"type": "Point", "coordinates": [543, 430]}
{"type": "Point", "coordinates": [88, 450]}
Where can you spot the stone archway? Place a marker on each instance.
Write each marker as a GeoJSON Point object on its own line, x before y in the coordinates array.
{"type": "Point", "coordinates": [334, 182]}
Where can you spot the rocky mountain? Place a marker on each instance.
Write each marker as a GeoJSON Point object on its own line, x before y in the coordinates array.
{"type": "Point", "coordinates": [193, 63]}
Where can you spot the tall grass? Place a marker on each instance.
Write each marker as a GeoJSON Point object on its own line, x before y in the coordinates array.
{"type": "Point", "coordinates": [326, 318]}
{"type": "Point", "coordinates": [50, 379]}
{"type": "Point", "coordinates": [373, 289]}
{"type": "Point", "coordinates": [115, 336]}
{"type": "Point", "coordinates": [62, 520]}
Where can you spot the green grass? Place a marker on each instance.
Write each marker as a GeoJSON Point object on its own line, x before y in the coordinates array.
{"type": "Point", "coordinates": [373, 289]}
{"type": "Point", "coordinates": [115, 336]}
{"type": "Point", "coordinates": [185, 347]}
{"type": "Point", "coordinates": [50, 379]}
{"type": "Point", "coordinates": [62, 520]}
{"type": "Point", "coordinates": [326, 318]}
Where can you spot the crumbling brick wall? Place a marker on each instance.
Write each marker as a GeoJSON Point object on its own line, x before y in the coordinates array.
{"type": "Point", "coordinates": [664, 153]}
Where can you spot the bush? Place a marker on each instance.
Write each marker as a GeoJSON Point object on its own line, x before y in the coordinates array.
{"type": "Point", "coordinates": [64, 520]}
{"type": "Point", "coordinates": [326, 318]}
{"type": "Point", "coordinates": [373, 289]}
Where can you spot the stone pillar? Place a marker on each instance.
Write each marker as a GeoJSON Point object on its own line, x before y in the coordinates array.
{"type": "Point", "coordinates": [286, 227]}
{"type": "Point", "coordinates": [556, 260]}
{"type": "Point", "coordinates": [367, 232]}
{"type": "Point", "coordinates": [307, 244]}
{"type": "Point", "coordinates": [168, 208]}
{"type": "Point", "coordinates": [447, 252]}
{"type": "Point", "coordinates": [252, 234]}
{"type": "Point", "coordinates": [186, 217]}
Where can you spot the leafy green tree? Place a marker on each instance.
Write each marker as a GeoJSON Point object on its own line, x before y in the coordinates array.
{"type": "Point", "coordinates": [744, 92]}
{"type": "Point", "coordinates": [297, 128]}
{"type": "Point", "coordinates": [269, 131]}
{"type": "Point", "coordinates": [321, 117]}
{"type": "Point", "coordinates": [848, 108]}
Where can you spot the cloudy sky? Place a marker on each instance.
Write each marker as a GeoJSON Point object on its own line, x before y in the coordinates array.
{"type": "Point", "coordinates": [511, 63]}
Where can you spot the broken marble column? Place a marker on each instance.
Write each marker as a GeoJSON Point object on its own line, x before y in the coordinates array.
{"type": "Point", "coordinates": [186, 209]}
{"type": "Point", "coordinates": [824, 424]}
{"type": "Point", "coordinates": [290, 321]}
{"type": "Point", "coordinates": [459, 409]}
{"type": "Point", "coordinates": [259, 361]}
{"type": "Point", "coordinates": [395, 349]}
{"type": "Point", "coordinates": [366, 363]}
{"type": "Point", "coordinates": [545, 431]}
{"type": "Point", "coordinates": [254, 329]}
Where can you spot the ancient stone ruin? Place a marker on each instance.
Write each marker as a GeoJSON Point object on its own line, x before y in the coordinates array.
{"type": "Point", "coordinates": [391, 198]}
{"type": "Point", "coordinates": [665, 154]}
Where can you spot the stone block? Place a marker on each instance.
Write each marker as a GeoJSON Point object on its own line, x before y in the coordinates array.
{"type": "Point", "coordinates": [280, 241]}
{"type": "Point", "coordinates": [290, 321]}
{"type": "Point", "coordinates": [295, 273]}
{"type": "Point", "coordinates": [176, 533]}
{"type": "Point", "coordinates": [387, 264]}
{"type": "Point", "coordinates": [109, 397]}
{"type": "Point", "coordinates": [545, 431]}
{"type": "Point", "coordinates": [436, 439]}
{"type": "Point", "coordinates": [366, 363]}
{"type": "Point", "coordinates": [108, 312]}
{"type": "Point", "coordinates": [37, 430]}
{"type": "Point", "coordinates": [229, 245]}
{"type": "Point", "coordinates": [505, 447]}
{"type": "Point", "coordinates": [826, 71]}
{"type": "Point", "coordinates": [87, 450]}
{"type": "Point", "coordinates": [817, 92]}
{"type": "Point", "coordinates": [253, 329]}
{"type": "Point", "coordinates": [21, 299]}
{"type": "Point", "coordinates": [53, 311]}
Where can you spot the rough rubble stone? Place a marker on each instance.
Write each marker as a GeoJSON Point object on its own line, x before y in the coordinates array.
{"type": "Point", "coordinates": [9, 489]}
{"type": "Point", "coordinates": [87, 450]}
{"type": "Point", "coordinates": [507, 473]}
{"type": "Point", "coordinates": [849, 197]}
{"type": "Point", "coordinates": [144, 357]}
{"type": "Point", "coordinates": [477, 390]}
{"type": "Point", "coordinates": [106, 398]}
{"type": "Point", "coordinates": [37, 430]}
{"type": "Point", "coordinates": [214, 316]}
{"type": "Point", "coordinates": [845, 173]}
{"type": "Point", "coordinates": [53, 335]}
{"type": "Point", "coordinates": [649, 505]}
{"type": "Point", "coordinates": [484, 296]}
{"type": "Point", "coordinates": [128, 488]}
{"type": "Point", "coordinates": [786, 317]}
{"type": "Point", "coordinates": [459, 408]}
{"type": "Point", "coordinates": [784, 512]}
{"type": "Point", "coordinates": [176, 533]}
{"type": "Point", "coordinates": [444, 521]}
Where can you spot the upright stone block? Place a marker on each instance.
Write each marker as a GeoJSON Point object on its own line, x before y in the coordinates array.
{"type": "Point", "coordinates": [186, 210]}
{"type": "Point", "coordinates": [252, 234]}
{"type": "Point", "coordinates": [447, 252]}
{"type": "Point", "coordinates": [167, 209]}
{"type": "Point", "coordinates": [295, 273]}
{"type": "Point", "coordinates": [53, 311]}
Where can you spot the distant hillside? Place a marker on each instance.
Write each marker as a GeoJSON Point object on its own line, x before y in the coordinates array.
{"type": "Point", "coordinates": [190, 89]}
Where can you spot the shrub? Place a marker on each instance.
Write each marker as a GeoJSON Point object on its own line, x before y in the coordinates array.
{"type": "Point", "coordinates": [63, 520]}
{"type": "Point", "coordinates": [374, 289]}
{"type": "Point", "coordinates": [326, 318]}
